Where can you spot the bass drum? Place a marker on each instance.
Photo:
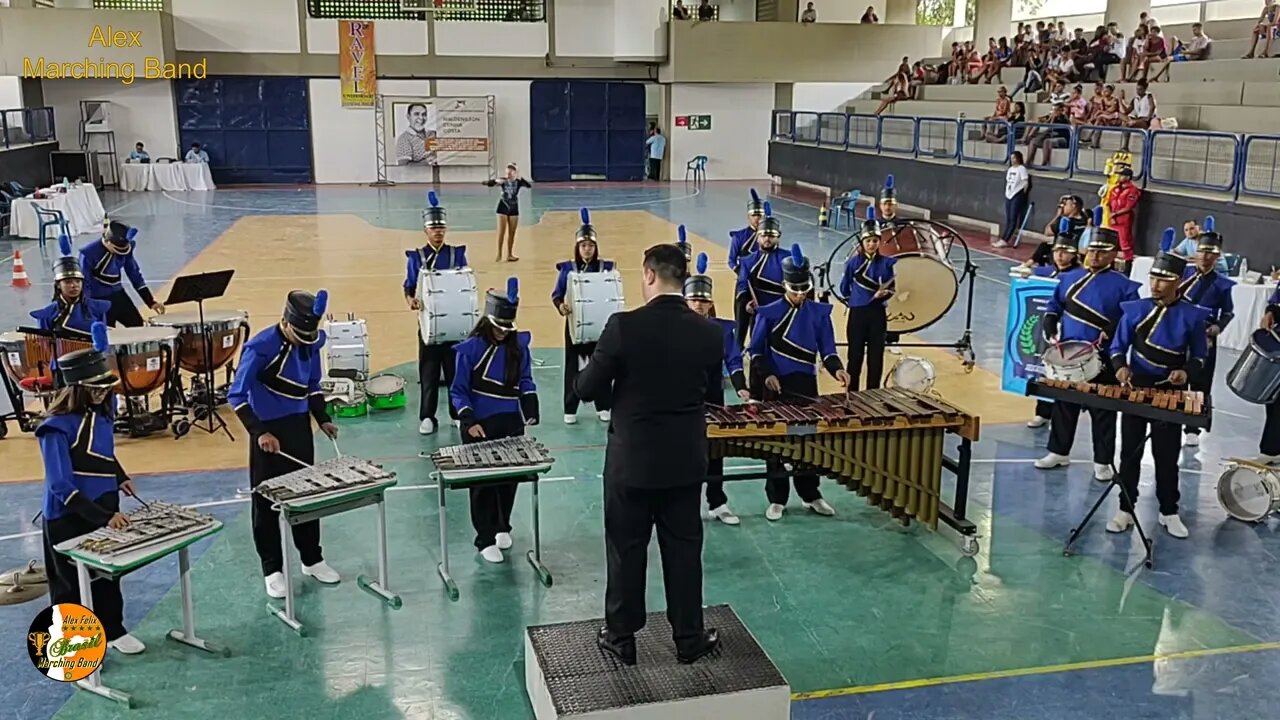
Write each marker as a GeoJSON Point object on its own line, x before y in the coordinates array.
{"type": "Point", "coordinates": [918, 237]}
{"type": "Point", "coordinates": [925, 290]}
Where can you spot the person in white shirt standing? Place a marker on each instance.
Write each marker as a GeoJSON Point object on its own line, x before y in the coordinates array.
{"type": "Point", "coordinates": [1017, 188]}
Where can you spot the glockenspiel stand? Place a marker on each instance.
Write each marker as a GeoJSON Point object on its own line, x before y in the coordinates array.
{"type": "Point", "coordinates": [187, 635]}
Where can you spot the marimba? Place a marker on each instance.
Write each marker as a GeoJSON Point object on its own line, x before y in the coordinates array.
{"type": "Point", "coordinates": [1183, 407]}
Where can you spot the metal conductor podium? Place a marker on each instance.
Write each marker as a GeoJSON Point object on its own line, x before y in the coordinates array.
{"type": "Point", "coordinates": [198, 288]}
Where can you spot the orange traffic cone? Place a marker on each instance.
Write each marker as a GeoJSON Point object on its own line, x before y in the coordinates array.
{"type": "Point", "coordinates": [19, 271]}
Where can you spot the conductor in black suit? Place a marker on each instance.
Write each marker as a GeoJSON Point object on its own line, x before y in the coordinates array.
{"type": "Point", "coordinates": [659, 360]}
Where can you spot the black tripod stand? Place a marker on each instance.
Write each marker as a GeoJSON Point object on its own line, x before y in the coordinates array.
{"type": "Point", "coordinates": [1149, 560]}
{"type": "Point", "coordinates": [198, 288]}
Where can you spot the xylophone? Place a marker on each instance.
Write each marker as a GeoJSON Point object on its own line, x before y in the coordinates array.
{"type": "Point", "coordinates": [330, 477]}
{"type": "Point", "coordinates": [1183, 407]}
{"type": "Point", "coordinates": [155, 523]}
{"type": "Point", "coordinates": [885, 444]}
{"type": "Point", "coordinates": [502, 453]}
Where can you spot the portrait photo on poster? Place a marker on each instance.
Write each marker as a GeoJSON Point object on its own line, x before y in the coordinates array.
{"type": "Point", "coordinates": [415, 125]}
{"type": "Point", "coordinates": [423, 134]}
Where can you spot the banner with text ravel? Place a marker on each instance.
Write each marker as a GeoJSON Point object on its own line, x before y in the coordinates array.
{"type": "Point", "coordinates": [357, 64]}
{"type": "Point", "coordinates": [1027, 300]}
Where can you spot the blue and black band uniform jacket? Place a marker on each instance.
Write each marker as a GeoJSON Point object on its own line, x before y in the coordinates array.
{"type": "Point", "coordinates": [787, 340]}
{"type": "Point", "coordinates": [480, 388]}
{"type": "Point", "coordinates": [1154, 340]}
{"type": "Point", "coordinates": [104, 270]}
{"type": "Point", "coordinates": [760, 276]}
{"type": "Point", "coordinates": [1086, 305]}
{"type": "Point", "coordinates": [276, 379]}
{"type": "Point", "coordinates": [863, 277]}
{"type": "Point", "coordinates": [80, 465]}
{"type": "Point", "coordinates": [732, 364]}
{"type": "Point", "coordinates": [448, 257]}
{"type": "Point", "coordinates": [742, 244]}
{"type": "Point", "coordinates": [1052, 271]}
{"type": "Point", "coordinates": [1212, 292]}
{"type": "Point", "coordinates": [72, 320]}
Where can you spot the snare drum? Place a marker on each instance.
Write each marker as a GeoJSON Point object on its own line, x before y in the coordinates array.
{"type": "Point", "coordinates": [357, 406]}
{"type": "Point", "coordinates": [1249, 491]}
{"type": "Point", "coordinates": [147, 355]}
{"type": "Point", "coordinates": [925, 290]}
{"type": "Point", "coordinates": [1255, 377]}
{"type": "Point", "coordinates": [592, 297]}
{"type": "Point", "coordinates": [1073, 361]}
{"type": "Point", "coordinates": [227, 330]}
{"type": "Point", "coordinates": [913, 373]}
{"type": "Point", "coordinates": [385, 392]}
{"type": "Point", "coordinates": [449, 312]}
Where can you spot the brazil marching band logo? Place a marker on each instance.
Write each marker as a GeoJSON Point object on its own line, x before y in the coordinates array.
{"type": "Point", "coordinates": [66, 642]}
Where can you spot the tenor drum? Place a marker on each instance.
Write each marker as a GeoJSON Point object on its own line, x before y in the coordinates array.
{"type": "Point", "coordinates": [357, 405]}
{"type": "Point", "coordinates": [1249, 491]}
{"type": "Point", "coordinates": [1072, 361]}
{"type": "Point", "coordinates": [142, 357]}
{"type": "Point", "coordinates": [449, 312]}
{"type": "Point", "coordinates": [1256, 375]}
{"type": "Point", "coordinates": [347, 346]}
{"type": "Point", "coordinates": [926, 288]}
{"type": "Point", "coordinates": [913, 373]}
{"type": "Point", "coordinates": [592, 297]}
{"type": "Point", "coordinates": [227, 331]}
{"type": "Point", "coordinates": [385, 392]}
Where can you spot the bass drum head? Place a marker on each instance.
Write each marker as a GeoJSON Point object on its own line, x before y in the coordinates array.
{"type": "Point", "coordinates": [1248, 494]}
{"type": "Point", "coordinates": [926, 288]}
{"type": "Point", "coordinates": [913, 373]}
{"type": "Point", "coordinates": [922, 237]}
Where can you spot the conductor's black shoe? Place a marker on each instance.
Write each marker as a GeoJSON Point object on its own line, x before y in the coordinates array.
{"type": "Point", "coordinates": [624, 651]}
{"type": "Point", "coordinates": [705, 646]}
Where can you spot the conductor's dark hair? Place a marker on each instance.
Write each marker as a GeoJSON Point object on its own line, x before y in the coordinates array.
{"type": "Point", "coordinates": [667, 261]}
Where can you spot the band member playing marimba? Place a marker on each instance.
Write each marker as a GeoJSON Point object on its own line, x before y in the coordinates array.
{"type": "Point", "coordinates": [83, 480]}
{"type": "Point", "coordinates": [698, 293]}
{"type": "Point", "coordinates": [742, 243]}
{"type": "Point", "coordinates": [1160, 342]}
{"type": "Point", "coordinates": [1086, 307]}
{"type": "Point", "coordinates": [759, 274]}
{"type": "Point", "coordinates": [494, 396]}
{"type": "Point", "coordinates": [867, 284]}
{"type": "Point", "coordinates": [1205, 287]}
{"type": "Point", "coordinates": [586, 259]}
{"type": "Point", "coordinates": [106, 263]}
{"type": "Point", "coordinates": [71, 314]}
{"type": "Point", "coordinates": [437, 359]}
{"type": "Point", "coordinates": [1269, 444]}
{"type": "Point", "coordinates": [276, 393]}
{"type": "Point", "coordinates": [1064, 258]}
{"type": "Point", "coordinates": [789, 340]}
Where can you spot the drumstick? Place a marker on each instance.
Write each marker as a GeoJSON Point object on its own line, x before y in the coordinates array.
{"type": "Point", "coordinates": [290, 457]}
{"type": "Point", "coordinates": [134, 495]}
{"type": "Point", "coordinates": [336, 449]}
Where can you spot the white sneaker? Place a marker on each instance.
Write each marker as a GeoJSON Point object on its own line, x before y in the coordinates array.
{"type": "Point", "coordinates": [1052, 460]}
{"type": "Point", "coordinates": [503, 540]}
{"type": "Point", "coordinates": [492, 553]}
{"type": "Point", "coordinates": [774, 512]}
{"type": "Point", "coordinates": [724, 515]}
{"type": "Point", "coordinates": [604, 415]}
{"type": "Point", "coordinates": [127, 644]}
{"type": "Point", "coordinates": [1103, 473]}
{"type": "Point", "coordinates": [1120, 522]}
{"type": "Point", "coordinates": [275, 585]}
{"type": "Point", "coordinates": [427, 427]}
{"type": "Point", "coordinates": [1173, 525]}
{"type": "Point", "coordinates": [322, 573]}
{"type": "Point", "coordinates": [999, 244]}
{"type": "Point", "coordinates": [570, 419]}
{"type": "Point", "coordinates": [1191, 440]}
{"type": "Point", "coordinates": [457, 424]}
{"type": "Point", "coordinates": [1267, 459]}
{"type": "Point", "coordinates": [821, 507]}
{"type": "Point", "coordinates": [1037, 422]}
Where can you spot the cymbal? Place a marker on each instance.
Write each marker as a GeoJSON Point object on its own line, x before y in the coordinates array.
{"type": "Point", "coordinates": [32, 574]}
{"type": "Point", "coordinates": [15, 594]}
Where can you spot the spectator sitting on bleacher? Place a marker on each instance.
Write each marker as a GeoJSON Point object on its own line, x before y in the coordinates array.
{"type": "Point", "coordinates": [1048, 138]}
{"type": "Point", "coordinates": [1153, 49]}
{"type": "Point", "coordinates": [997, 132]}
{"type": "Point", "coordinates": [973, 63]}
{"type": "Point", "coordinates": [1134, 50]}
{"type": "Point", "coordinates": [1102, 53]}
{"type": "Point", "coordinates": [1106, 113]}
{"type": "Point", "coordinates": [1195, 49]}
{"type": "Point", "coordinates": [869, 17]}
{"type": "Point", "coordinates": [1058, 94]}
{"type": "Point", "coordinates": [899, 87]}
{"type": "Point", "coordinates": [680, 12]}
{"type": "Point", "coordinates": [1265, 29]}
{"type": "Point", "coordinates": [809, 15]}
{"type": "Point", "coordinates": [1003, 106]}
{"type": "Point", "coordinates": [1061, 68]}
{"type": "Point", "coordinates": [1148, 20]}
{"type": "Point", "coordinates": [706, 11]}
{"type": "Point", "coordinates": [1077, 107]}
{"type": "Point", "coordinates": [1079, 44]}
{"type": "Point", "coordinates": [1142, 111]}
{"type": "Point", "coordinates": [1032, 75]}
{"type": "Point", "coordinates": [990, 62]}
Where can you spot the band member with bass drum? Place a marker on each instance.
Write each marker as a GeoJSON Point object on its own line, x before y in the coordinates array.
{"type": "Point", "coordinates": [866, 285]}
{"type": "Point", "coordinates": [759, 274]}
{"type": "Point", "coordinates": [71, 315]}
{"type": "Point", "coordinates": [435, 360]}
{"type": "Point", "coordinates": [742, 243]}
{"type": "Point", "coordinates": [1269, 444]}
{"type": "Point", "coordinates": [106, 263]}
{"type": "Point", "coordinates": [698, 292]}
{"type": "Point", "coordinates": [1063, 258]}
{"type": "Point", "coordinates": [276, 393]}
{"type": "Point", "coordinates": [790, 339]}
{"type": "Point", "coordinates": [1161, 343]}
{"type": "Point", "coordinates": [1205, 287]}
{"type": "Point", "coordinates": [586, 259]}
{"type": "Point", "coordinates": [1085, 307]}
{"type": "Point", "coordinates": [494, 396]}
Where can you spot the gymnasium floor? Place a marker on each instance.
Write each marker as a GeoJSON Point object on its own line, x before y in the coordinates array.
{"type": "Point", "coordinates": [863, 618]}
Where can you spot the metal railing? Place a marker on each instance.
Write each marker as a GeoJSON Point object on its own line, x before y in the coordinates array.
{"type": "Point", "coordinates": [26, 126]}
{"type": "Point", "coordinates": [1213, 161]}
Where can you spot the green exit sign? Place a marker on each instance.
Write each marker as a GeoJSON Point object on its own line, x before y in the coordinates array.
{"type": "Point", "coordinates": [694, 122]}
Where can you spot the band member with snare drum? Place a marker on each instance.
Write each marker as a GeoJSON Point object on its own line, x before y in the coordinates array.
{"type": "Point", "coordinates": [698, 293]}
{"type": "Point", "coordinates": [436, 359]}
{"type": "Point", "coordinates": [759, 274]}
{"type": "Point", "coordinates": [1269, 444]}
{"type": "Point", "coordinates": [276, 393]}
{"type": "Point", "coordinates": [71, 315]}
{"type": "Point", "coordinates": [494, 396]}
{"type": "Point", "coordinates": [1160, 342]}
{"type": "Point", "coordinates": [866, 286]}
{"type": "Point", "coordinates": [106, 263]}
{"type": "Point", "coordinates": [586, 259]}
{"type": "Point", "coordinates": [509, 209]}
{"type": "Point", "coordinates": [790, 339]}
{"type": "Point", "coordinates": [83, 481]}
{"type": "Point", "coordinates": [1211, 291]}
{"type": "Point", "coordinates": [1063, 259]}
{"type": "Point", "coordinates": [1085, 307]}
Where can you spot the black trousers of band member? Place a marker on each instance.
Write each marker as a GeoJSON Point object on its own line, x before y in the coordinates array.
{"type": "Point", "coordinates": [866, 329]}
{"type": "Point", "coordinates": [295, 436]}
{"type": "Point", "coordinates": [741, 319]}
{"type": "Point", "coordinates": [574, 355]}
{"type": "Point", "coordinates": [123, 312]}
{"type": "Point", "coordinates": [1203, 381]}
{"type": "Point", "coordinates": [1064, 417]}
{"type": "Point", "coordinates": [1166, 446]}
{"type": "Point", "coordinates": [715, 488]}
{"type": "Point", "coordinates": [630, 516]}
{"type": "Point", "coordinates": [795, 388]}
{"type": "Point", "coordinates": [1044, 409]}
{"type": "Point", "coordinates": [434, 360]}
{"type": "Point", "coordinates": [491, 504]}
{"type": "Point", "coordinates": [64, 583]}
{"type": "Point", "coordinates": [1270, 442]}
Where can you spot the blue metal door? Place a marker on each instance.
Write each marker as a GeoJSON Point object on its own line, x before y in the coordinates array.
{"type": "Point", "coordinates": [586, 130]}
{"type": "Point", "coordinates": [256, 130]}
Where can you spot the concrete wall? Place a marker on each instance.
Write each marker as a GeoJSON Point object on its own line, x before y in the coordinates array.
{"type": "Point", "coordinates": [144, 111]}
{"type": "Point", "coordinates": [740, 118]}
{"type": "Point", "coordinates": [63, 36]}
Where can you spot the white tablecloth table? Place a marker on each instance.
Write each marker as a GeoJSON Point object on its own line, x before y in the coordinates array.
{"type": "Point", "coordinates": [173, 177]}
{"type": "Point", "coordinates": [197, 176]}
{"type": "Point", "coordinates": [81, 206]}
{"type": "Point", "coordinates": [1250, 302]}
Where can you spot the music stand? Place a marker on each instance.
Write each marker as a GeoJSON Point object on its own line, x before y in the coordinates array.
{"type": "Point", "coordinates": [197, 288]}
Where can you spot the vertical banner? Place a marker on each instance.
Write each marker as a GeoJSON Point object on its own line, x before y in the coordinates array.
{"type": "Point", "coordinates": [1027, 300]}
{"type": "Point", "coordinates": [357, 65]}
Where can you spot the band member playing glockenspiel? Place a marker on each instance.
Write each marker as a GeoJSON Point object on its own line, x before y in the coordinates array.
{"type": "Point", "coordinates": [698, 293]}
{"type": "Point", "coordinates": [71, 314]}
{"type": "Point", "coordinates": [1086, 307]}
{"type": "Point", "coordinates": [586, 259]}
{"type": "Point", "coordinates": [1205, 287]}
{"type": "Point", "coordinates": [742, 243]}
{"type": "Point", "coordinates": [790, 338]}
{"type": "Point", "coordinates": [759, 274]}
{"type": "Point", "coordinates": [1159, 342]}
{"type": "Point", "coordinates": [866, 286]}
{"type": "Point", "coordinates": [106, 263]}
{"type": "Point", "coordinates": [1269, 444]}
{"type": "Point", "coordinates": [276, 393]}
{"type": "Point", "coordinates": [494, 396]}
{"type": "Point", "coordinates": [436, 359]}
{"type": "Point", "coordinates": [83, 480]}
{"type": "Point", "coordinates": [1063, 258]}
